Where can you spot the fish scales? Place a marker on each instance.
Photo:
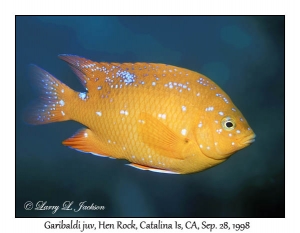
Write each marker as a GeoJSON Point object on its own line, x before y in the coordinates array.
{"type": "Point", "coordinates": [159, 117]}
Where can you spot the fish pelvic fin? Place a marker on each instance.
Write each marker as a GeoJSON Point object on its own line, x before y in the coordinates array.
{"type": "Point", "coordinates": [52, 104]}
{"type": "Point", "coordinates": [146, 168]}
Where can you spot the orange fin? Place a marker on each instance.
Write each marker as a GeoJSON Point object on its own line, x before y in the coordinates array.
{"type": "Point", "coordinates": [90, 73]}
{"type": "Point", "coordinates": [79, 65]}
{"type": "Point", "coordinates": [96, 76]}
{"type": "Point", "coordinates": [86, 141]}
{"type": "Point", "coordinates": [145, 168]}
{"type": "Point", "coordinates": [161, 138]}
{"type": "Point", "coordinates": [53, 99]}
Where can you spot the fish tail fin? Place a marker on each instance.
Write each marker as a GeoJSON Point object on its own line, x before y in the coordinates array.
{"type": "Point", "coordinates": [51, 106]}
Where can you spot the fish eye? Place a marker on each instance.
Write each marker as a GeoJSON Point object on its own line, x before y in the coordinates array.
{"type": "Point", "coordinates": [228, 124]}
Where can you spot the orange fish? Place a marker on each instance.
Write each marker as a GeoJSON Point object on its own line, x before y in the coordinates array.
{"type": "Point", "coordinates": [161, 118]}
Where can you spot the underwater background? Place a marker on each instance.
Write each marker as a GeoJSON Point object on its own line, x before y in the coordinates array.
{"type": "Point", "coordinates": [244, 55]}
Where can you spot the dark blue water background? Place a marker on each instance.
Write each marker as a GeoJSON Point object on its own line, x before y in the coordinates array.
{"type": "Point", "coordinates": [244, 55]}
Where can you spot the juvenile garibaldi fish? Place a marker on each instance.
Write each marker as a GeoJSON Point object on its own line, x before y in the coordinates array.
{"type": "Point", "coordinates": [161, 118]}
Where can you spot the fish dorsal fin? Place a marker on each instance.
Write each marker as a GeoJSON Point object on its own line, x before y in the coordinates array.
{"type": "Point", "coordinates": [79, 65]}
{"type": "Point", "coordinates": [145, 168]}
{"type": "Point", "coordinates": [161, 138]}
{"type": "Point", "coordinates": [89, 72]}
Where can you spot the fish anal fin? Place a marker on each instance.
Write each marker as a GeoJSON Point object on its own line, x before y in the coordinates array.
{"type": "Point", "coordinates": [161, 138]}
{"type": "Point", "coordinates": [86, 141]}
{"type": "Point", "coordinates": [145, 168]}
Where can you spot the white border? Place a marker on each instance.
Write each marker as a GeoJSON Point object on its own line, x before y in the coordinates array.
{"type": "Point", "coordinates": [10, 8]}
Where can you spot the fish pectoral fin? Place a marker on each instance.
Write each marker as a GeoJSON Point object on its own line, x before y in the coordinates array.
{"type": "Point", "coordinates": [145, 168]}
{"type": "Point", "coordinates": [86, 141]}
{"type": "Point", "coordinates": [161, 138]}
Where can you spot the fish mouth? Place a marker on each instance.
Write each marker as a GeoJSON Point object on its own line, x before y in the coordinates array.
{"type": "Point", "coordinates": [249, 139]}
